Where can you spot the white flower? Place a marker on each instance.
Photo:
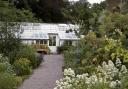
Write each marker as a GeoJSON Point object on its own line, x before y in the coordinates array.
{"type": "Point", "coordinates": [118, 62]}
{"type": "Point", "coordinates": [124, 69]}
{"type": "Point", "coordinates": [106, 74]}
{"type": "Point", "coordinates": [57, 82]}
{"type": "Point", "coordinates": [55, 88]}
{"type": "Point", "coordinates": [111, 64]}
{"type": "Point", "coordinates": [94, 79]}
{"type": "Point", "coordinates": [113, 84]}
{"type": "Point", "coordinates": [69, 72]}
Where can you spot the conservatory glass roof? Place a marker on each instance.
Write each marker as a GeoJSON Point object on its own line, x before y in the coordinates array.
{"type": "Point", "coordinates": [68, 36]}
{"type": "Point", "coordinates": [33, 31]}
{"type": "Point", "coordinates": [34, 35]}
{"type": "Point", "coordinates": [39, 26]}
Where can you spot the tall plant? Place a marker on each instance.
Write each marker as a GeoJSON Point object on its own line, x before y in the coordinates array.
{"type": "Point", "coordinates": [9, 37]}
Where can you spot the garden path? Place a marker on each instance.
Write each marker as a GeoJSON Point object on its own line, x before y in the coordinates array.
{"type": "Point", "coordinates": [46, 75]}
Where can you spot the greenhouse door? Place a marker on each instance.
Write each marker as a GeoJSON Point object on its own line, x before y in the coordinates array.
{"type": "Point", "coordinates": [52, 43]}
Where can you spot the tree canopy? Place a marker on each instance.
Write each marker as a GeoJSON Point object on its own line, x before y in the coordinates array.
{"type": "Point", "coordinates": [8, 12]}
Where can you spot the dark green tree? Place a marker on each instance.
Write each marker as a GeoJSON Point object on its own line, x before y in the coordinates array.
{"type": "Point", "coordinates": [50, 10]}
{"type": "Point", "coordinates": [9, 38]}
{"type": "Point", "coordinates": [9, 16]}
{"type": "Point", "coordinates": [9, 13]}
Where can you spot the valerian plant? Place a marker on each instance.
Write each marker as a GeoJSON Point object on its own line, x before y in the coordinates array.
{"type": "Point", "coordinates": [108, 76]}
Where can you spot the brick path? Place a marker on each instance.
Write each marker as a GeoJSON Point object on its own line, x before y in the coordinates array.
{"type": "Point", "coordinates": [45, 76]}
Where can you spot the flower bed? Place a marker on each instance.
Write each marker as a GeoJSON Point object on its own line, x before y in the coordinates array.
{"type": "Point", "coordinates": [108, 76]}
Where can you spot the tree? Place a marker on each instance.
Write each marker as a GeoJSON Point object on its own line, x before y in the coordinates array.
{"type": "Point", "coordinates": [90, 17]}
{"type": "Point", "coordinates": [9, 13]}
{"type": "Point", "coordinates": [84, 14]}
{"type": "Point", "coordinates": [50, 10]}
{"type": "Point", "coordinates": [96, 11]}
{"type": "Point", "coordinates": [115, 25]}
{"type": "Point", "coordinates": [9, 28]}
{"type": "Point", "coordinates": [9, 38]}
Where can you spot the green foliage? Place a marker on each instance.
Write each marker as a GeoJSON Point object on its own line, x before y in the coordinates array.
{"type": "Point", "coordinates": [12, 14]}
{"type": "Point", "coordinates": [107, 76]}
{"type": "Point", "coordinates": [5, 66]}
{"type": "Point", "coordinates": [25, 52]}
{"type": "Point", "coordinates": [7, 81]}
{"type": "Point", "coordinates": [9, 40]}
{"type": "Point", "coordinates": [84, 14]}
{"type": "Point", "coordinates": [112, 50]}
{"type": "Point", "coordinates": [100, 86]}
{"type": "Point", "coordinates": [19, 80]}
{"type": "Point", "coordinates": [85, 69]}
{"type": "Point", "coordinates": [48, 11]}
{"type": "Point", "coordinates": [63, 48]}
{"type": "Point", "coordinates": [26, 16]}
{"type": "Point", "coordinates": [114, 25]}
{"type": "Point", "coordinates": [3, 59]}
{"type": "Point", "coordinates": [22, 66]}
{"type": "Point", "coordinates": [109, 42]}
{"type": "Point", "coordinates": [124, 81]}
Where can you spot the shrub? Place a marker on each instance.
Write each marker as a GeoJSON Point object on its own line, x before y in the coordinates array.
{"type": "Point", "coordinates": [3, 59]}
{"type": "Point", "coordinates": [86, 69]}
{"type": "Point", "coordinates": [25, 52]}
{"type": "Point", "coordinates": [124, 81]}
{"type": "Point", "coordinates": [22, 66]}
{"type": "Point", "coordinates": [108, 76]}
{"type": "Point", "coordinates": [19, 80]}
{"type": "Point", "coordinates": [5, 66]}
{"type": "Point", "coordinates": [84, 81]}
{"type": "Point", "coordinates": [39, 58]}
{"type": "Point", "coordinates": [7, 81]}
{"type": "Point", "coordinates": [62, 48]}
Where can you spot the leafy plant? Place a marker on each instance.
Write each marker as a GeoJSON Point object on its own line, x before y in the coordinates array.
{"type": "Point", "coordinates": [7, 81]}
{"type": "Point", "coordinates": [108, 76]}
{"type": "Point", "coordinates": [5, 66]}
{"type": "Point", "coordinates": [25, 52]}
{"type": "Point", "coordinates": [22, 66]}
{"type": "Point", "coordinates": [19, 80]}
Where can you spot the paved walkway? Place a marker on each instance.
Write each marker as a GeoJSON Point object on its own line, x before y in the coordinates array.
{"type": "Point", "coordinates": [46, 75]}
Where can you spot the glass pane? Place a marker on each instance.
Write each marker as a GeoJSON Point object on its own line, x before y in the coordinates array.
{"type": "Point", "coordinates": [41, 42]}
{"type": "Point", "coordinates": [37, 42]}
{"type": "Point", "coordinates": [68, 42]}
{"type": "Point", "coordinates": [45, 41]}
{"type": "Point", "coordinates": [52, 41]}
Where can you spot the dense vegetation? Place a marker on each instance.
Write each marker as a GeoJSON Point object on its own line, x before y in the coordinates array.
{"type": "Point", "coordinates": [32, 10]}
{"type": "Point", "coordinates": [16, 59]}
{"type": "Point", "coordinates": [8, 12]}
{"type": "Point", "coordinates": [102, 53]}
{"type": "Point", "coordinates": [103, 47]}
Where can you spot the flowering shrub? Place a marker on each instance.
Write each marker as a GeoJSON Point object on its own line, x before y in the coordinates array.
{"type": "Point", "coordinates": [22, 66]}
{"type": "Point", "coordinates": [25, 52]}
{"type": "Point", "coordinates": [112, 49]}
{"type": "Point", "coordinates": [108, 76]}
{"type": "Point", "coordinates": [5, 66]}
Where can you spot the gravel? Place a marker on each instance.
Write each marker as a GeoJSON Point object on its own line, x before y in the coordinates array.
{"type": "Point", "coordinates": [46, 75]}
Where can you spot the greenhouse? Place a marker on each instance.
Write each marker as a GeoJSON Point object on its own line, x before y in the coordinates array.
{"type": "Point", "coordinates": [52, 35]}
